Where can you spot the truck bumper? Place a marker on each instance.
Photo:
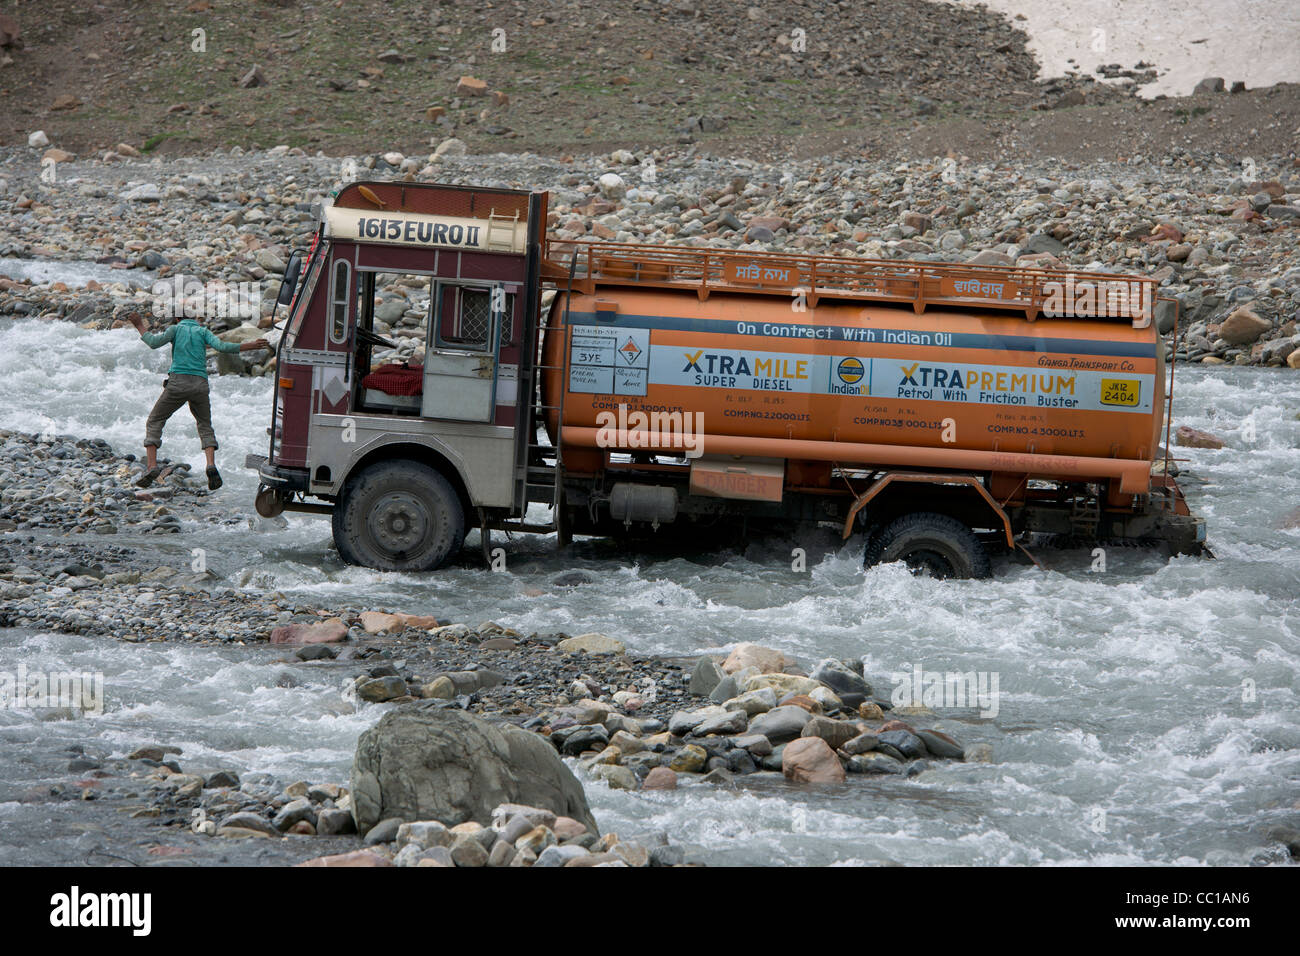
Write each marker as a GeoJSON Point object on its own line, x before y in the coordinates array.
{"type": "Point", "coordinates": [277, 476]}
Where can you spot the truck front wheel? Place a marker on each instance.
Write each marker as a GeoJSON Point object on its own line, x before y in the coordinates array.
{"type": "Point", "coordinates": [398, 516]}
{"type": "Point", "coordinates": [930, 543]}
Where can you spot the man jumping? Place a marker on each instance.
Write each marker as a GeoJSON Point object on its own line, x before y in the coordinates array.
{"type": "Point", "coordinates": [186, 383]}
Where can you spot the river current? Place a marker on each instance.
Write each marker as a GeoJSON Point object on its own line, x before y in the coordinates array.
{"type": "Point", "coordinates": [1146, 714]}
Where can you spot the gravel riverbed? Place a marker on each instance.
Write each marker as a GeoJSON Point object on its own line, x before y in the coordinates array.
{"type": "Point", "coordinates": [1218, 232]}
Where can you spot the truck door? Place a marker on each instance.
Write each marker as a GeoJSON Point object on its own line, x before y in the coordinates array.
{"type": "Point", "coordinates": [460, 360]}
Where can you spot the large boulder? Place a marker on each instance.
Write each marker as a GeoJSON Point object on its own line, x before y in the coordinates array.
{"type": "Point", "coordinates": [423, 762]}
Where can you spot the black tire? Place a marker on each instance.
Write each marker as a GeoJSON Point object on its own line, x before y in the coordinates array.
{"type": "Point", "coordinates": [398, 516]}
{"type": "Point", "coordinates": [935, 544]}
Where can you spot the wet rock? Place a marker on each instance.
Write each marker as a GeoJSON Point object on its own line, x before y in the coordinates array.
{"type": "Point", "coordinates": [755, 744]}
{"type": "Point", "coordinates": [380, 689]}
{"type": "Point", "coordinates": [293, 812]}
{"type": "Point", "coordinates": [384, 831]}
{"type": "Point", "coordinates": [591, 644]}
{"type": "Point", "coordinates": [686, 721]}
{"type": "Point", "coordinates": [420, 763]}
{"type": "Point", "coordinates": [861, 744]}
{"type": "Point", "coordinates": [317, 632]}
{"type": "Point", "coordinates": [573, 579]}
{"type": "Point", "coordinates": [905, 742]}
{"type": "Point", "coordinates": [331, 821]}
{"type": "Point", "coordinates": [357, 858]}
{"type": "Point", "coordinates": [618, 778]}
{"type": "Point", "coordinates": [729, 722]}
{"type": "Point", "coordinates": [941, 745]}
{"type": "Point", "coordinates": [468, 851]}
{"type": "Point", "coordinates": [811, 760]}
{"type": "Point", "coordinates": [754, 702]}
{"type": "Point", "coordinates": [874, 762]}
{"type": "Point", "coordinates": [690, 759]}
{"type": "Point", "coordinates": [766, 659]}
{"type": "Point", "coordinates": [978, 753]}
{"type": "Point", "coordinates": [248, 821]}
{"type": "Point", "coordinates": [660, 778]}
{"type": "Point", "coordinates": [1195, 438]}
{"type": "Point", "coordinates": [720, 777]}
{"type": "Point", "coordinates": [706, 676]}
{"type": "Point", "coordinates": [841, 678]}
{"type": "Point", "coordinates": [836, 733]}
{"type": "Point", "coordinates": [781, 724]}
{"type": "Point", "coordinates": [574, 740]}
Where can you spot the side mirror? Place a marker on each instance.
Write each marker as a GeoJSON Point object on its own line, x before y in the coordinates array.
{"type": "Point", "coordinates": [290, 282]}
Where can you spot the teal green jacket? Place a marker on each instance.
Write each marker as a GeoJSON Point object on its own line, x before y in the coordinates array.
{"type": "Point", "coordinates": [190, 342]}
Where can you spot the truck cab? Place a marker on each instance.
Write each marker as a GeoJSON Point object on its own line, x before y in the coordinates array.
{"type": "Point", "coordinates": [404, 375]}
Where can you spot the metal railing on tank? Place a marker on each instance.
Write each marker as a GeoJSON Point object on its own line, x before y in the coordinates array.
{"type": "Point", "coordinates": [1037, 293]}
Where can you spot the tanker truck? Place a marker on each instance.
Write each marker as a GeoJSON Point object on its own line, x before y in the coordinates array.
{"type": "Point", "coordinates": [446, 366]}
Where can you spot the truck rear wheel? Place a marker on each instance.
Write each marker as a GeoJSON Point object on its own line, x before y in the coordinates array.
{"type": "Point", "coordinates": [935, 544]}
{"type": "Point", "coordinates": [398, 516]}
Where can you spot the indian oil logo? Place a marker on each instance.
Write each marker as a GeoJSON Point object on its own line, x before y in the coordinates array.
{"type": "Point", "coordinates": [850, 371]}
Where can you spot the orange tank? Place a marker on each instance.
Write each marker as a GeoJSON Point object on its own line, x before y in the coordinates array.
{"type": "Point", "coordinates": [861, 383]}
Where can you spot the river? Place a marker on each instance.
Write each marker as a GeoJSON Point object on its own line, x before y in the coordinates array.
{"type": "Point", "coordinates": [1147, 713]}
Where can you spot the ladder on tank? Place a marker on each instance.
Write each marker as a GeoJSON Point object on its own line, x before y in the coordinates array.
{"type": "Point", "coordinates": [544, 462]}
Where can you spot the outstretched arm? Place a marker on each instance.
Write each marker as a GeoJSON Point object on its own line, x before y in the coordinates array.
{"type": "Point", "coordinates": [152, 339]}
{"type": "Point", "coordinates": [220, 346]}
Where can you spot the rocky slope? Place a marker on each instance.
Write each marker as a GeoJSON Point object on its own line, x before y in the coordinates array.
{"type": "Point", "coordinates": [767, 80]}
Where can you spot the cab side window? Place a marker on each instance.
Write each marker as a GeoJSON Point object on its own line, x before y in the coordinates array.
{"type": "Point", "coordinates": [465, 316]}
